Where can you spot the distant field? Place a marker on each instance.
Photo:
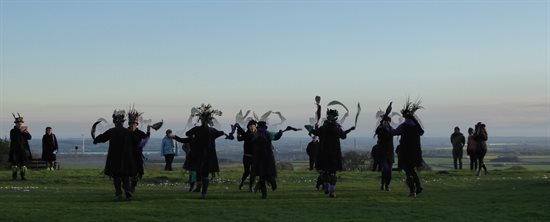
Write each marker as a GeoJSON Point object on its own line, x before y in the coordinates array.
{"type": "Point", "coordinates": [85, 195]}
{"type": "Point", "coordinates": [528, 162]}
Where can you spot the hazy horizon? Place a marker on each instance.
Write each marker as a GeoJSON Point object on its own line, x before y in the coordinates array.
{"type": "Point", "coordinates": [65, 64]}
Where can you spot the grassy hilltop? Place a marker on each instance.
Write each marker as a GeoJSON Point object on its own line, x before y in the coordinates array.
{"type": "Point", "coordinates": [86, 195]}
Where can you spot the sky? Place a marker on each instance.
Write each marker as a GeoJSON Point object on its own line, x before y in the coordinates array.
{"type": "Point", "coordinates": [67, 63]}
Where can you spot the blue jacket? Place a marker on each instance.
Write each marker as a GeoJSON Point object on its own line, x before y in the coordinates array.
{"type": "Point", "coordinates": [168, 147]}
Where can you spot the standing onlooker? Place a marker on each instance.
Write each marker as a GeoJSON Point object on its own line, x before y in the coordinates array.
{"type": "Point", "coordinates": [168, 150]}
{"type": "Point", "coordinates": [49, 148]}
{"type": "Point", "coordinates": [481, 137]}
{"type": "Point", "coordinates": [471, 149]}
{"type": "Point", "coordinates": [458, 141]}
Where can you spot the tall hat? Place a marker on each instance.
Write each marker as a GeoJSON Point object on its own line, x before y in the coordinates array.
{"type": "Point", "coordinates": [410, 108]}
{"type": "Point", "coordinates": [18, 118]}
{"type": "Point", "coordinates": [332, 114]}
{"type": "Point", "coordinates": [118, 116]}
{"type": "Point", "coordinates": [133, 115]}
{"type": "Point", "coordinates": [251, 122]}
{"type": "Point", "coordinates": [262, 125]}
{"type": "Point", "coordinates": [206, 113]}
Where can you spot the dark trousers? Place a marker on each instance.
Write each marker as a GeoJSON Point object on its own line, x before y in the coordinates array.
{"type": "Point", "coordinates": [473, 162]}
{"type": "Point", "coordinates": [413, 181]}
{"type": "Point", "coordinates": [133, 183]}
{"type": "Point", "coordinates": [169, 158]}
{"type": "Point", "coordinates": [311, 162]}
{"type": "Point", "coordinates": [320, 181]}
{"type": "Point", "coordinates": [205, 183]}
{"type": "Point", "coordinates": [247, 165]}
{"type": "Point", "coordinates": [481, 164]}
{"type": "Point", "coordinates": [121, 183]}
{"type": "Point", "coordinates": [459, 160]}
{"type": "Point", "coordinates": [386, 173]}
{"type": "Point", "coordinates": [330, 182]}
{"type": "Point", "coordinates": [376, 166]}
{"type": "Point", "coordinates": [263, 185]}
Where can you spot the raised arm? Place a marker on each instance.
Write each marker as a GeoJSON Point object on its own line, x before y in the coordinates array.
{"type": "Point", "coordinates": [277, 135]}
{"type": "Point", "coordinates": [182, 140]}
{"type": "Point", "coordinates": [104, 137]}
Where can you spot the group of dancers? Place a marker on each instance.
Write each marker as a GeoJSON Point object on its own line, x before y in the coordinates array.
{"type": "Point", "coordinates": [124, 162]}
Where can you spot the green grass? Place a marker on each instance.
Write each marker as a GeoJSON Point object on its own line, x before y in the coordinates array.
{"type": "Point", "coordinates": [85, 195]}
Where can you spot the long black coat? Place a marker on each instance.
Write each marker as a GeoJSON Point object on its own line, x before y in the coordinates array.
{"type": "Point", "coordinates": [263, 160]}
{"type": "Point", "coordinates": [20, 151]}
{"type": "Point", "coordinates": [329, 157]}
{"type": "Point", "coordinates": [49, 145]}
{"type": "Point", "coordinates": [410, 149]}
{"type": "Point", "coordinates": [121, 160]}
{"type": "Point", "coordinates": [204, 159]}
{"type": "Point", "coordinates": [136, 137]}
{"type": "Point", "coordinates": [385, 144]}
{"type": "Point", "coordinates": [190, 154]}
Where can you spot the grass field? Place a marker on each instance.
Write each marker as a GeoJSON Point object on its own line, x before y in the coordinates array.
{"type": "Point", "coordinates": [86, 195]}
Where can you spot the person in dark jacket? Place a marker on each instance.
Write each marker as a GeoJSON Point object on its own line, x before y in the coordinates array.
{"type": "Point", "coordinates": [204, 144]}
{"type": "Point", "coordinates": [138, 141]}
{"type": "Point", "coordinates": [480, 136]}
{"type": "Point", "coordinates": [312, 150]}
{"type": "Point", "coordinates": [329, 159]}
{"type": "Point", "coordinates": [248, 152]}
{"type": "Point", "coordinates": [49, 148]}
{"type": "Point", "coordinates": [20, 152]}
{"type": "Point", "coordinates": [471, 149]}
{"type": "Point", "coordinates": [121, 161]}
{"type": "Point", "coordinates": [410, 151]}
{"type": "Point", "coordinates": [263, 161]}
{"type": "Point", "coordinates": [458, 141]}
{"type": "Point", "coordinates": [385, 151]}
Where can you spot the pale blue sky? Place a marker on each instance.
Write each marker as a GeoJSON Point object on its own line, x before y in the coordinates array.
{"type": "Point", "coordinates": [66, 63]}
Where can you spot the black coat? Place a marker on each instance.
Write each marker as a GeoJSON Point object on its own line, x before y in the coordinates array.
{"type": "Point", "coordinates": [20, 151]}
{"type": "Point", "coordinates": [385, 144]}
{"type": "Point", "coordinates": [247, 138]}
{"type": "Point", "coordinates": [329, 157]}
{"type": "Point", "coordinates": [121, 157]}
{"type": "Point", "coordinates": [410, 149]}
{"type": "Point", "coordinates": [49, 145]}
{"type": "Point", "coordinates": [136, 137]}
{"type": "Point", "coordinates": [203, 147]}
{"type": "Point", "coordinates": [263, 160]}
